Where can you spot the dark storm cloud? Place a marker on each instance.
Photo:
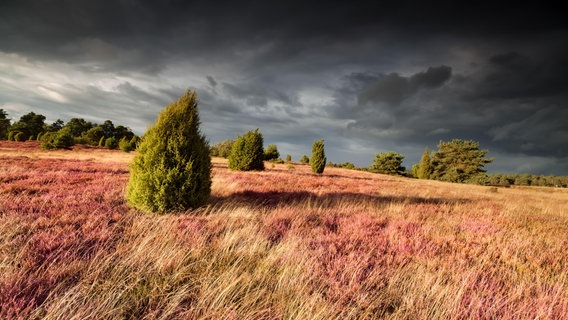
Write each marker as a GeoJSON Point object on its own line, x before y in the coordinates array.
{"type": "Point", "coordinates": [367, 76]}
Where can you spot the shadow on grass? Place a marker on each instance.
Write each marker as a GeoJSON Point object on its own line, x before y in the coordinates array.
{"type": "Point", "coordinates": [276, 198]}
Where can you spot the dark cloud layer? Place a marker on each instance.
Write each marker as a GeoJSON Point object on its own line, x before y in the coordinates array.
{"type": "Point", "coordinates": [367, 76]}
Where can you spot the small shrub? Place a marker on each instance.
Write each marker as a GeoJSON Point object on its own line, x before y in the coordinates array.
{"type": "Point", "coordinates": [125, 145]}
{"type": "Point", "coordinates": [247, 153]}
{"type": "Point", "coordinates": [111, 143]}
{"type": "Point", "coordinates": [288, 158]}
{"type": "Point", "coordinates": [305, 159]}
{"type": "Point", "coordinates": [102, 141]}
{"type": "Point", "coordinates": [61, 139]}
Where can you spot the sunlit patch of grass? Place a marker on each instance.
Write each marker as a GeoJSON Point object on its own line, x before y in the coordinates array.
{"type": "Point", "coordinates": [278, 244]}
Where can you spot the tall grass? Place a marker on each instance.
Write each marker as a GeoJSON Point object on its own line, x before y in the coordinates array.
{"type": "Point", "coordinates": [279, 244]}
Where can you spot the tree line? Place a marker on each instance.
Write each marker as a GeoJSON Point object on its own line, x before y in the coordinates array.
{"type": "Point", "coordinates": [59, 134]}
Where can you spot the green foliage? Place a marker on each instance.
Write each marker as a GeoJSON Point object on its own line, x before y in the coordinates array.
{"type": "Point", "coordinates": [415, 169]}
{"type": "Point", "coordinates": [424, 166]}
{"type": "Point", "coordinates": [222, 149]}
{"type": "Point", "coordinates": [94, 135]}
{"type": "Point", "coordinates": [20, 136]}
{"type": "Point", "coordinates": [30, 124]}
{"type": "Point", "coordinates": [247, 153]}
{"type": "Point", "coordinates": [288, 158]}
{"type": "Point", "coordinates": [102, 141]}
{"type": "Point", "coordinates": [77, 126]}
{"type": "Point", "coordinates": [305, 159]}
{"type": "Point", "coordinates": [4, 124]}
{"type": "Point", "coordinates": [388, 163]}
{"type": "Point", "coordinates": [318, 159]}
{"type": "Point", "coordinates": [111, 143]}
{"type": "Point", "coordinates": [61, 139]}
{"type": "Point", "coordinates": [172, 170]}
{"type": "Point", "coordinates": [271, 152]}
{"type": "Point", "coordinates": [125, 145]}
{"type": "Point", "coordinates": [458, 161]}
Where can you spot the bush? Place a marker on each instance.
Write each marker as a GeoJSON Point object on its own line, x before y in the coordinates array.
{"type": "Point", "coordinates": [305, 159]}
{"type": "Point", "coordinates": [111, 143]}
{"type": "Point", "coordinates": [102, 141]}
{"type": "Point", "coordinates": [222, 149]}
{"type": "Point", "coordinates": [172, 170]}
{"type": "Point", "coordinates": [318, 159]}
{"type": "Point", "coordinates": [125, 145]}
{"type": "Point", "coordinates": [61, 139]}
{"type": "Point", "coordinates": [246, 153]}
{"type": "Point", "coordinates": [288, 158]}
{"type": "Point", "coordinates": [271, 152]}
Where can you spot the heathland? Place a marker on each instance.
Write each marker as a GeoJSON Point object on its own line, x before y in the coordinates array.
{"type": "Point", "coordinates": [283, 243]}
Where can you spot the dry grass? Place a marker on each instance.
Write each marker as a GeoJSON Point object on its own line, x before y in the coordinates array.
{"type": "Point", "coordinates": [278, 244]}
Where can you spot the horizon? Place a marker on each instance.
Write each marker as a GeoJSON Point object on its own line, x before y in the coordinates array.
{"type": "Point", "coordinates": [367, 78]}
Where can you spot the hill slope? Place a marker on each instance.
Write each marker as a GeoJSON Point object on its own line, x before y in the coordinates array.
{"type": "Point", "coordinates": [278, 244]}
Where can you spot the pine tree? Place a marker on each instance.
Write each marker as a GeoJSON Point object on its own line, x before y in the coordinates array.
{"type": "Point", "coordinates": [458, 161]}
{"type": "Point", "coordinates": [318, 159]}
{"type": "Point", "coordinates": [172, 170]}
{"type": "Point", "coordinates": [425, 165]}
{"type": "Point", "coordinates": [388, 163]}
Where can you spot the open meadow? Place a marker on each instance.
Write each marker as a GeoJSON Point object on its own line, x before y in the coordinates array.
{"type": "Point", "coordinates": [283, 243]}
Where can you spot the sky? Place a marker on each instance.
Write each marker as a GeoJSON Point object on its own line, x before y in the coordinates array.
{"type": "Point", "coordinates": [365, 76]}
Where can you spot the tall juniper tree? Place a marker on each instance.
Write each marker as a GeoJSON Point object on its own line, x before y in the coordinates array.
{"type": "Point", "coordinates": [425, 165]}
{"type": "Point", "coordinates": [318, 159]}
{"type": "Point", "coordinates": [172, 170]}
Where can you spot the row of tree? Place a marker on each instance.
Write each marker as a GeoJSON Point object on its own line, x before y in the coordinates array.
{"type": "Point", "coordinates": [59, 134]}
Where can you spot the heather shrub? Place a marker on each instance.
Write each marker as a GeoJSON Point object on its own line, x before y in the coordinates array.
{"type": "Point", "coordinates": [247, 152]}
{"type": "Point", "coordinates": [318, 159]}
{"type": "Point", "coordinates": [172, 170]}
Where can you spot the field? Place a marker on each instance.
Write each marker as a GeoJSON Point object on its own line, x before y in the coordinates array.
{"type": "Point", "coordinates": [279, 244]}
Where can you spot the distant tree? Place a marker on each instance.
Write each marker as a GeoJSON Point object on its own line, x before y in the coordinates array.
{"type": "Point", "coordinates": [78, 126]}
{"type": "Point", "coordinates": [55, 126]}
{"type": "Point", "coordinates": [305, 159]}
{"type": "Point", "coordinates": [388, 163]}
{"type": "Point", "coordinates": [247, 152]}
{"type": "Point", "coordinates": [122, 132]}
{"type": "Point", "coordinates": [125, 145]}
{"type": "Point", "coordinates": [425, 165]}
{"type": "Point", "coordinates": [458, 160]}
{"type": "Point", "coordinates": [172, 170]}
{"type": "Point", "coordinates": [30, 124]}
{"type": "Point", "coordinates": [20, 136]}
{"type": "Point", "coordinates": [288, 158]}
{"type": "Point", "coordinates": [4, 124]}
{"type": "Point", "coordinates": [318, 159]}
{"type": "Point", "coordinates": [94, 135]}
{"type": "Point", "coordinates": [222, 149]}
{"type": "Point", "coordinates": [108, 128]}
{"type": "Point", "coordinates": [271, 152]}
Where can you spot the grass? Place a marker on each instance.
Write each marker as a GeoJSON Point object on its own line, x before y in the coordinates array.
{"type": "Point", "coordinates": [279, 244]}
